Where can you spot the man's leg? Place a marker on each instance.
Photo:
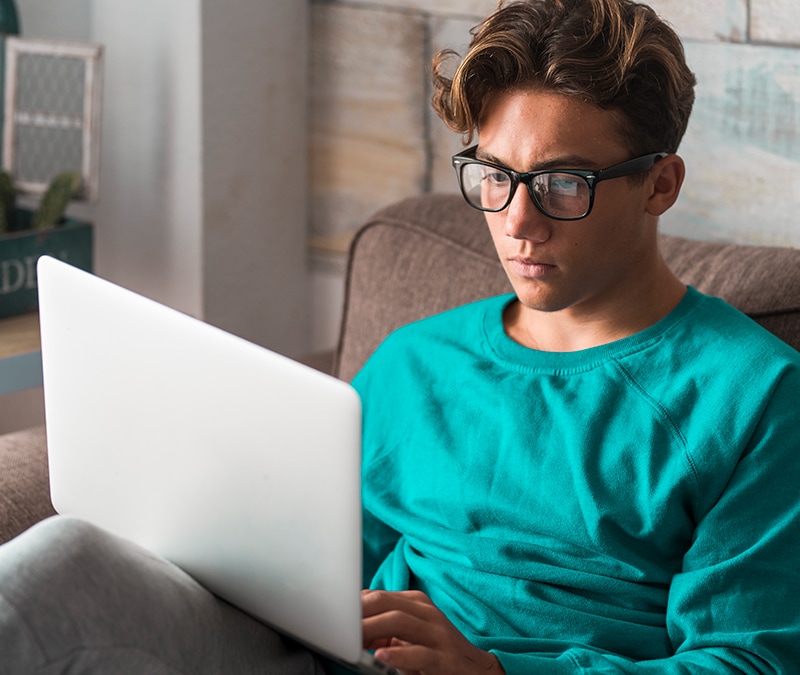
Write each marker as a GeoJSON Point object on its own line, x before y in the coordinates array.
{"type": "Point", "coordinates": [74, 598]}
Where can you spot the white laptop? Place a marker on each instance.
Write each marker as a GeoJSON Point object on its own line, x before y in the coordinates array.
{"type": "Point", "coordinates": [237, 464]}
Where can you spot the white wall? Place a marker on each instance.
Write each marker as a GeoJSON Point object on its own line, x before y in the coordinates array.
{"type": "Point", "coordinates": [255, 177]}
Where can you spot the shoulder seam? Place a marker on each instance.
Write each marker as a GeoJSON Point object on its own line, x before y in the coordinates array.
{"type": "Point", "coordinates": [662, 412]}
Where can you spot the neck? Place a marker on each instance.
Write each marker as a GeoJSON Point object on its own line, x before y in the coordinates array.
{"type": "Point", "coordinates": [597, 321]}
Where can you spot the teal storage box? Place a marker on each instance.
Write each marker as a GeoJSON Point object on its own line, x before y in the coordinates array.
{"type": "Point", "coordinates": [71, 241]}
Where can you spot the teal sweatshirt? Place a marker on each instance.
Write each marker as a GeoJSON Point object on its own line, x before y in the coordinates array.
{"type": "Point", "coordinates": [630, 508]}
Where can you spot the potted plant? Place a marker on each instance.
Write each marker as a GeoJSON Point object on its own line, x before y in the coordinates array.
{"type": "Point", "coordinates": [26, 234]}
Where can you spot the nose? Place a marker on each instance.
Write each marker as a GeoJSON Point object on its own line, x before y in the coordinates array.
{"type": "Point", "coordinates": [524, 220]}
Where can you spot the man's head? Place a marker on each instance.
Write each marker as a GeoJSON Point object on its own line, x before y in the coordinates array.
{"type": "Point", "coordinates": [582, 102]}
{"type": "Point", "coordinates": [614, 54]}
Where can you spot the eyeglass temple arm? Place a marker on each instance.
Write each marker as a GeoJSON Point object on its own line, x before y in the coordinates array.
{"type": "Point", "coordinates": [632, 166]}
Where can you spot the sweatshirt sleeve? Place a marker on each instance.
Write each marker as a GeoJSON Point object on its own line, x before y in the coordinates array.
{"type": "Point", "coordinates": [378, 539]}
{"type": "Point", "coordinates": [734, 606]}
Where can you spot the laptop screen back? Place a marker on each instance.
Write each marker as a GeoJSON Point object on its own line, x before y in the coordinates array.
{"type": "Point", "coordinates": [237, 464]}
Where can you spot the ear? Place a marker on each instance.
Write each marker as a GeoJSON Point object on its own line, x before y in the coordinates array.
{"type": "Point", "coordinates": [666, 178]}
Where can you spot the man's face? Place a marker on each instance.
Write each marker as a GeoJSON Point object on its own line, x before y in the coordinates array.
{"type": "Point", "coordinates": [585, 267]}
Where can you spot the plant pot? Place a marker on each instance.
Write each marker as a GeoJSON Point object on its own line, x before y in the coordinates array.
{"type": "Point", "coordinates": [71, 241]}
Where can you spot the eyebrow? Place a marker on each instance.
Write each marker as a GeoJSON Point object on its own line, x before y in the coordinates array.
{"type": "Point", "coordinates": [562, 162]}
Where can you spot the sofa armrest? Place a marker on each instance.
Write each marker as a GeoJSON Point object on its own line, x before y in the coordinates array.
{"type": "Point", "coordinates": [24, 481]}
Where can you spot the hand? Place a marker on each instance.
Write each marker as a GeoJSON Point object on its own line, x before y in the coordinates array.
{"type": "Point", "coordinates": [410, 634]}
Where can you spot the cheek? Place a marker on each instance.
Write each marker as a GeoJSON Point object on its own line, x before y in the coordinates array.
{"type": "Point", "coordinates": [494, 221]}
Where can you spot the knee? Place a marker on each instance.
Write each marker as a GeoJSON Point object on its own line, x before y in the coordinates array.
{"type": "Point", "coordinates": [61, 529]}
{"type": "Point", "coordinates": [50, 547]}
{"type": "Point", "coordinates": [65, 567]}
{"type": "Point", "coordinates": [64, 535]}
{"type": "Point", "coordinates": [64, 585]}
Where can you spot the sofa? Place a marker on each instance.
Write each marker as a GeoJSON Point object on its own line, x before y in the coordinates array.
{"type": "Point", "coordinates": [424, 255]}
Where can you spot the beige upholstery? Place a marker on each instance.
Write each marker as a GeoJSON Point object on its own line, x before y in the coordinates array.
{"type": "Point", "coordinates": [24, 489]}
{"type": "Point", "coordinates": [427, 254]}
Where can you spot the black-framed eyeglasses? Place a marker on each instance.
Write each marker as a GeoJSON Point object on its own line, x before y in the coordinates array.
{"type": "Point", "coordinates": [563, 194]}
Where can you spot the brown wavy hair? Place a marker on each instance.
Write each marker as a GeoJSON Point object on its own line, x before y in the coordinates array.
{"type": "Point", "coordinates": [616, 54]}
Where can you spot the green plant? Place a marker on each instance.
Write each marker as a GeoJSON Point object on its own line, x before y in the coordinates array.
{"type": "Point", "coordinates": [7, 199]}
{"type": "Point", "coordinates": [55, 200]}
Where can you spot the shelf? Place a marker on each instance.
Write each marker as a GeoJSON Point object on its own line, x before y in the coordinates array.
{"type": "Point", "coordinates": [20, 353]}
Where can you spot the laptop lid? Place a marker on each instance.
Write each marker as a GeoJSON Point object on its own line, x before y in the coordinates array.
{"type": "Point", "coordinates": [237, 464]}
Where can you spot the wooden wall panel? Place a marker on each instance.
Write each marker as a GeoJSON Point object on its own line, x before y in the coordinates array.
{"type": "Point", "coordinates": [775, 21]}
{"type": "Point", "coordinates": [367, 106]}
{"type": "Point", "coordinates": [742, 147]}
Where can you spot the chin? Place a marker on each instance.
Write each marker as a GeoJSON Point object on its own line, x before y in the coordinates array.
{"type": "Point", "coordinates": [540, 303]}
{"type": "Point", "coordinates": [538, 296]}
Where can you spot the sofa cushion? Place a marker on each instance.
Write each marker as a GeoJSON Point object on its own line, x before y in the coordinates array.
{"type": "Point", "coordinates": [429, 253]}
{"type": "Point", "coordinates": [761, 281]}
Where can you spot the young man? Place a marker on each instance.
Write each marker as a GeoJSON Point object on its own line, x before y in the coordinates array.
{"type": "Point", "coordinates": [574, 477]}
{"type": "Point", "coordinates": [603, 488]}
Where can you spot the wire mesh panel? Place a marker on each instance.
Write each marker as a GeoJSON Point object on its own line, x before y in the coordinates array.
{"type": "Point", "coordinates": [52, 113]}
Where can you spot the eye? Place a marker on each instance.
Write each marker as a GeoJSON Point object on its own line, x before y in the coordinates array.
{"type": "Point", "coordinates": [564, 186]}
{"type": "Point", "coordinates": [495, 177]}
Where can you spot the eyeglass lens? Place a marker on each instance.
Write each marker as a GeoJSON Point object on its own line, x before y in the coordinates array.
{"type": "Point", "coordinates": [560, 195]}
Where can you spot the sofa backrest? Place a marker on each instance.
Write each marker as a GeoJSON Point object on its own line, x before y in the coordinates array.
{"type": "Point", "coordinates": [430, 253]}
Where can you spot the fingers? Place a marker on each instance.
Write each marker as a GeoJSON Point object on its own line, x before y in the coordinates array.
{"type": "Point", "coordinates": [409, 658]}
{"type": "Point", "coordinates": [410, 634]}
{"type": "Point", "coordinates": [374, 602]}
{"type": "Point", "coordinates": [408, 616]}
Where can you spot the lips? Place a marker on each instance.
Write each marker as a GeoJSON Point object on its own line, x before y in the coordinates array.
{"type": "Point", "coordinates": [532, 269]}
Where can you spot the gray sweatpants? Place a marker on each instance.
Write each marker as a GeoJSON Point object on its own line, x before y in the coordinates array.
{"type": "Point", "coordinates": [76, 599]}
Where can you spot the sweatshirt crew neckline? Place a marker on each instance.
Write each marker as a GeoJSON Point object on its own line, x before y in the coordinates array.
{"type": "Point", "coordinates": [510, 352]}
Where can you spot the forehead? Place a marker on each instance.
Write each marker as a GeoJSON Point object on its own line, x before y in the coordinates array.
{"type": "Point", "coordinates": [524, 128]}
